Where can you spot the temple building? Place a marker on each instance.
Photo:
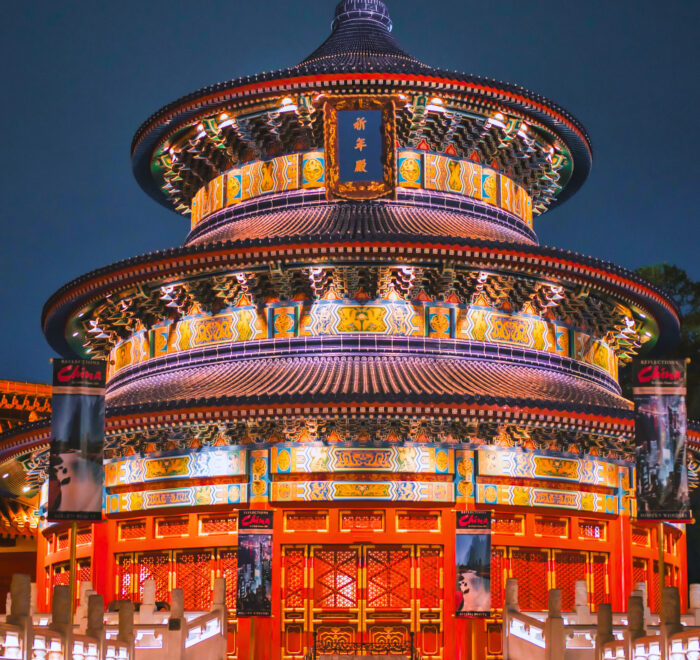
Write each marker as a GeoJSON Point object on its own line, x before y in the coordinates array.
{"type": "Point", "coordinates": [362, 334]}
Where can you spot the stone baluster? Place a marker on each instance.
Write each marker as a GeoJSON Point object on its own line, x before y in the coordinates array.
{"type": "Point", "coordinates": [126, 622]}
{"type": "Point", "coordinates": [642, 587]}
{"type": "Point", "coordinates": [672, 611]}
{"type": "Point", "coordinates": [20, 609]}
{"type": "Point", "coordinates": [635, 623]}
{"type": "Point", "coordinates": [694, 602]}
{"type": "Point", "coordinates": [95, 621]}
{"type": "Point", "coordinates": [581, 607]}
{"type": "Point", "coordinates": [555, 639]}
{"type": "Point", "coordinates": [604, 629]}
{"type": "Point", "coordinates": [147, 611]}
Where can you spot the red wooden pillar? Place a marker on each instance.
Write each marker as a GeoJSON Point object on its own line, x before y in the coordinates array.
{"type": "Point", "coordinates": [102, 562]}
{"type": "Point", "coordinates": [42, 580]}
{"type": "Point", "coordinates": [620, 571]}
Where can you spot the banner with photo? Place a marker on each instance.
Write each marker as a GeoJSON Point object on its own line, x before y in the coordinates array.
{"type": "Point", "coordinates": [473, 557]}
{"type": "Point", "coordinates": [254, 588]}
{"type": "Point", "coordinates": [660, 440]}
{"type": "Point", "coordinates": [76, 474]}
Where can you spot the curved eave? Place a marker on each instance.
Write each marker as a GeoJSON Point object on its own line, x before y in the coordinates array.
{"type": "Point", "coordinates": [177, 263]}
{"type": "Point", "coordinates": [481, 90]}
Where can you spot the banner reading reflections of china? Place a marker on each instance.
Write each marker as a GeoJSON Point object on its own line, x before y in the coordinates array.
{"type": "Point", "coordinates": [76, 475]}
{"type": "Point", "coordinates": [254, 588]}
{"type": "Point", "coordinates": [473, 557]}
{"type": "Point", "coordinates": [660, 440]}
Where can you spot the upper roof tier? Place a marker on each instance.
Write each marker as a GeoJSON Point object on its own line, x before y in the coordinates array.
{"type": "Point", "coordinates": [522, 136]}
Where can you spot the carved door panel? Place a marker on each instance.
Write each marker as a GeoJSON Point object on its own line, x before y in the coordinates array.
{"type": "Point", "coordinates": [388, 580]}
{"type": "Point", "coordinates": [429, 601]}
{"type": "Point", "coordinates": [336, 606]}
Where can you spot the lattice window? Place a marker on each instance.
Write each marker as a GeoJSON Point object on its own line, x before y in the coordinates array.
{"type": "Point", "coordinates": [529, 567]}
{"type": "Point", "coordinates": [640, 536]}
{"type": "Point", "coordinates": [335, 578]}
{"type": "Point", "coordinates": [418, 521]}
{"type": "Point", "coordinates": [552, 527]}
{"type": "Point", "coordinates": [63, 541]}
{"type": "Point", "coordinates": [84, 536]}
{"type": "Point", "coordinates": [228, 569]}
{"type": "Point", "coordinates": [639, 571]}
{"type": "Point", "coordinates": [592, 529]}
{"type": "Point", "coordinates": [306, 521]}
{"type": "Point", "coordinates": [154, 566]}
{"type": "Point", "coordinates": [61, 575]}
{"type": "Point", "coordinates": [83, 574]}
{"type": "Point", "coordinates": [430, 564]}
{"type": "Point", "coordinates": [125, 576]}
{"type": "Point", "coordinates": [224, 524]}
{"type": "Point", "coordinates": [508, 525]}
{"type": "Point", "coordinates": [362, 521]}
{"type": "Point", "coordinates": [569, 567]}
{"type": "Point", "coordinates": [499, 563]}
{"type": "Point", "coordinates": [193, 573]}
{"type": "Point", "coordinates": [388, 578]}
{"type": "Point", "coordinates": [293, 580]}
{"type": "Point", "coordinates": [132, 529]}
{"type": "Point", "coordinates": [600, 584]}
{"type": "Point", "coordinates": [166, 527]}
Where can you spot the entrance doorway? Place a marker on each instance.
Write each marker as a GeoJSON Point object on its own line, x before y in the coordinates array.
{"type": "Point", "coordinates": [362, 594]}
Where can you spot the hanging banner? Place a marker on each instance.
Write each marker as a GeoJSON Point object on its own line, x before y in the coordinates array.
{"type": "Point", "coordinates": [473, 557]}
{"type": "Point", "coordinates": [254, 588]}
{"type": "Point", "coordinates": [660, 440]}
{"type": "Point", "coordinates": [76, 475]}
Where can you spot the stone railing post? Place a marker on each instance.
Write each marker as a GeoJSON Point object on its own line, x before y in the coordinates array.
{"type": "Point", "coordinates": [20, 612]}
{"type": "Point", "coordinates": [555, 640]}
{"type": "Point", "coordinates": [604, 631]}
{"type": "Point", "coordinates": [510, 606]}
{"type": "Point", "coordinates": [635, 623]}
{"type": "Point", "coordinates": [126, 625]}
{"type": "Point", "coordinates": [147, 611]}
{"type": "Point", "coordinates": [641, 587]}
{"type": "Point", "coordinates": [694, 602]}
{"type": "Point", "coordinates": [672, 611]}
{"type": "Point", "coordinates": [95, 624]}
{"type": "Point", "coordinates": [60, 617]}
{"type": "Point", "coordinates": [176, 625]}
{"type": "Point", "coordinates": [581, 607]}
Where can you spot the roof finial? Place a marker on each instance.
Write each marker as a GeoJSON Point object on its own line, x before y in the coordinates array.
{"type": "Point", "coordinates": [374, 10]}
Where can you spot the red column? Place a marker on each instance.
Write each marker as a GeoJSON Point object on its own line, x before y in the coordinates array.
{"type": "Point", "coordinates": [620, 566]}
{"type": "Point", "coordinates": [42, 587]}
{"type": "Point", "coordinates": [102, 562]}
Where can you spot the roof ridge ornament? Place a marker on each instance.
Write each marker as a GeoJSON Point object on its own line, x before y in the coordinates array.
{"type": "Point", "coordinates": [373, 10]}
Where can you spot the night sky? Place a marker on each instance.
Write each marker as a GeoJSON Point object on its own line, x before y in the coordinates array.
{"type": "Point", "coordinates": [78, 78]}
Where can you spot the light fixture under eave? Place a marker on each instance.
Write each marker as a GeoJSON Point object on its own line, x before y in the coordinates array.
{"type": "Point", "coordinates": [224, 121]}
{"type": "Point", "coordinates": [287, 105]}
{"type": "Point", "coordinates": [497, 120]}
{"type": "Point", "coordinates": [26, 489]}
{"type": "Point", "coordinates": [436, 105]}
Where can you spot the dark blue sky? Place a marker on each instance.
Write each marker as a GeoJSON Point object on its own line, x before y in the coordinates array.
{"type": "Point", "coordinates": [78, 78]}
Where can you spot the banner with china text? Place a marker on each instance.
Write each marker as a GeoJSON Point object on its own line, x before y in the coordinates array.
{"type": "Point", "coordinates": [254, 587]}
{"type": "Point", "coordinates": [76, 474]}
{"type": "Point", "coordinates": [660, 440]}
{"type": "Point", "coordinates": [473, 557]}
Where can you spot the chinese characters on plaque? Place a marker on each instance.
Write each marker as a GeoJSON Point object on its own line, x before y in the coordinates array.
{"type": "Point", "coordinates": [360, 146]}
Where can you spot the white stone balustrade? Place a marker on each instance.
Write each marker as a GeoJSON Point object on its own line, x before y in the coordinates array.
{"type": "Point", "coordinates": [122, 635]}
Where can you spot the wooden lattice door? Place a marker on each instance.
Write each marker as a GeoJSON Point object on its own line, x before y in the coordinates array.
{"type": "Point", "coordinates": [374, 594]}
{"type": "Point", "coordinates": [335, 586]}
